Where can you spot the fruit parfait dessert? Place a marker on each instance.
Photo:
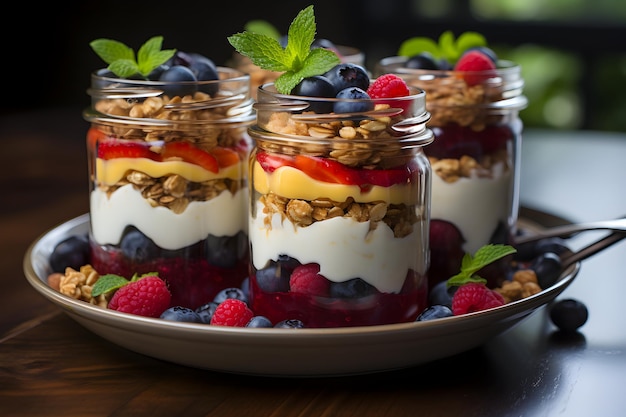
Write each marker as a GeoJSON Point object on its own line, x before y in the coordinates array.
{"type": "Point", "coordinates": [339, 189]}
{"type": "Point", "coordinates": [168, 149]}
{"type": "Point", "coordinates": [474, 100]}
{"type": "Point", "coordinates": [260, 76]}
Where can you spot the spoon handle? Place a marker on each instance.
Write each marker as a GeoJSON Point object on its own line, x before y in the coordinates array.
{"type": "Point", "coordinates": [617, 225]}
{"type": "Point", "coordinates": [592, 249]}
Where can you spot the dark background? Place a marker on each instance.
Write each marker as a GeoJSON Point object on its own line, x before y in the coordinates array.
{"type": "Point", "coordinates": [47, 60]}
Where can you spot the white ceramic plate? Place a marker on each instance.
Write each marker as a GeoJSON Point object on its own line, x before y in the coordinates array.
{"type": "Point", "coordinates": [282, 352]}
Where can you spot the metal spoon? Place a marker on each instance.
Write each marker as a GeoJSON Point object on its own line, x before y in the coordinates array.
{"type": "Point", "coordinates": [617, 225]}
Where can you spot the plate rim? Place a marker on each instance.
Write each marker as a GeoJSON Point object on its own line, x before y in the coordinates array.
{"type": "Point", "coordinates": [219, 335]}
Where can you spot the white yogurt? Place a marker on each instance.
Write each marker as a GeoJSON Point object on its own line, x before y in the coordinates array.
{"type": "Point", "coordinates": [475, 205]}
{"type": "Point", "coordinates": [343, 247]}
{"type": "Point", "coordinates": [224, 215]}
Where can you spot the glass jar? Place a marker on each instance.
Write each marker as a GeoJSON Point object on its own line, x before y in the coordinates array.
{"type": "Point", "coordinates": [475, 158]}
{"type": "Point", "coordinates": [339, 210]}
{"type": "Point", "coordinates": [168, 181]}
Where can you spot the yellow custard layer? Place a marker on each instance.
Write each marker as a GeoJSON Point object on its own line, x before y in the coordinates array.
{"type": "Point", "coordinates": [111, 171]}
{"type": "Point", "coordinates": [292, 183]}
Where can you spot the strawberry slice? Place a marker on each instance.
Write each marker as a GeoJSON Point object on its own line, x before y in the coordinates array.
{"type": "Point", "coordinates": [327, 170]}
{"type": "Point", "coordinates": [115, 148]}
{"type": "Point", "coordinates": [478, 67]}
{"type": "Point", "coordinates": [225, 156]}
{"type": "Point", "coordinates": [271, 162]}
{"type": "Point", "coordinates": [386, 177]}
{"type": "Point", "coordinates": [189, 153]}
{"type": "Point", "coordinates": [94, 136]}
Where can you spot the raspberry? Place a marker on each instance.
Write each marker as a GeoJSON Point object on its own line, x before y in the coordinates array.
{"type": "Point", "coordinates": [306, 279]}
{"type": "Point", "coordinates": [388, 85]}
{"type": "Point", "coordinates": [148, 297]}
{"type": "Point", "coordinates": [232, 312]}
{"type": "Point", "coordinates": [472, 297]}
{"type": "Point", "coordinates": [479, 66]}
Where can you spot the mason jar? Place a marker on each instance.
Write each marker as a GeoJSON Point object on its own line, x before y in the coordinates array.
{"type": "Point", "coordinates": [475, 159]}
{"type": "Point", "coordinates": [339, 210]}
{"type": "Point", "coordinates": [168, 181]}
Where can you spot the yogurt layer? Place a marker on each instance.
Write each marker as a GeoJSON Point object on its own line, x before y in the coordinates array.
{"type": "Point", "coordinates": [375, 256]}
{"type": "Point", "coordinates": [475, 205]}
{"type": "Point", "coordinates": [223, 215]}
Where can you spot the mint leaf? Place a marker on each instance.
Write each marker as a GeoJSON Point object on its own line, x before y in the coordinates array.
{"type": "Point", "coordinates": [262, 27]}
{"type": "Point", "coordinates": [111, 51]}
{"type": "Point", "coordinates": [121, 58]}
{"type": "Point", "coordinates": [297, 61]}
{"type": "Point", "coordinates": [108, 283]}
{"type": "Point", "coordinates": [446, 47]}
{"type": "Point", "coordinates": [472, 264]}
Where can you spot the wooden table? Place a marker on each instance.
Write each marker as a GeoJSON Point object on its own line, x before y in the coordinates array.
{"type": "Point", "coordinates": [51, 366]}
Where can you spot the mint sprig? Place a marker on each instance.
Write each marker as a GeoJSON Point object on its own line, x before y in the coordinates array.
{"type": "Point", "coordinates": [472, 264]}
{"type": "Point", "coordinates": [121, 58]}
{"type": "Point", "coordinates": [111, 282]}
{"type": "Point", "coordinates": [446, 47]}
{"type": "Point", "coordinates": [296, 61]}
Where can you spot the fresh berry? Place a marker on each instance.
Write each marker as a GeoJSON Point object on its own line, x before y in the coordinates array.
{"type": "Point", "coordinates": [290, 324]}
{"type": "Point", "coordinates": [568, 315]}
{"type": "Point", "coordinates": [306, 279]}
{"type": "Point", "coordinates": [548, 268]}
{"type": "Point", "coordinates": [346, 75]}
{"type": "Point", "coordinates": [275, 276]}
{"type": "Point", "coordinates": [347, 106]}
{"type": "Point", "coordinates": [231, 292]}
{"type": "Point", "coordinates": [441, 294]}
{"type": "Point", "coordinates": [206, 311]}
{"type": "Point", "coordinates": [316, 86]}
{"type": "Point", "coordinates": [259, 321]}
{"type": "Point", "coordinates": [326, 170]}
{"type": "Point", "coordinates": [472, 297]}
{"type": "Point", "coordinates": [388, 85]}
{"type": "Point", "coordinates": [179, 80]}
{"type": "Point", "coordinates": [352, 288]}
{"type": "Point", "coordinates": [436, 311]}
{"type": "Point", "coordinates": [478, 67]}
{"type": "Point", "coordinates": [423, 60]}
{"type": "Point", "coordinates": [232, 312]}
{"type": "Point", "coordinates": [183, 314]}
{"type": "Point", "coordinates": [137, 247]}
{"type": "Point", "coordinates": [225, 251]}
{"type": "Point", "coordinates": [72, 252]}
{"type": "Point", "coordinates": [148, 297]}
{"type": "Point", "coordinates": [446, 247]}
{"type": "Point", "coordinates": [485, 50]}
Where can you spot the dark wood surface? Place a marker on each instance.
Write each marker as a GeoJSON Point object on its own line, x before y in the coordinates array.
{"type": "Point", "coordinates": [51, 366]}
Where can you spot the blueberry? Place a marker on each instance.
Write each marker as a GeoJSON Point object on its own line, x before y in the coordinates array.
{"type": "Point", "coordinates": [179, 81]}
{"type": "Point", "coordinates": [435, 312]}
{"type": "Point", "coordinates": [548, 268]}
{"type": "Point", "coordinates": [225, 251]}
{"type": "Point", "coordinates": [289, 324]}
{"type": "Point", "coordinates": [347, 75]}
{"type": "Point", "coordinates": [353, 288]}
{"type": "Point", "coordinates": [232, 292]}
{"type": "Point", "coordinates": [530, 250]}
{"type": "Point", "coordinates": [182, 314]}
{"type": "Point", "coordinates": [423, 60]}
{"type": "Point", "coordinates": [275, 276]}
{"type": "Point", "coordinates": [441, 294]}
{"type": "Point", "coordinates": [204, 70]}
{"type": "Point", "coordinates": [568, 315]}
{"type": "Point", "coordinates": [73, 251]}
{"type": "Point", "coordinates": [259, 321]}
{"type": "Point", "coordinates": [137, 247]}
{"type": "Point", "coordinates": [206, 311]}
{"type": "Point", "coordinates": [323, 43]}
{"type": "Point", "coordinates": [353, 93]}
{"type": "Point", "coordinates": [316, 86]}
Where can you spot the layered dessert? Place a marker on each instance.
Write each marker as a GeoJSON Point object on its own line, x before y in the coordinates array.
{"type": "Point", "coordinates": [474, 99]}
{"type": "Point", "coordinates": [168, 171]}
{"type": "Point", "coordinates": [339, 211]}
